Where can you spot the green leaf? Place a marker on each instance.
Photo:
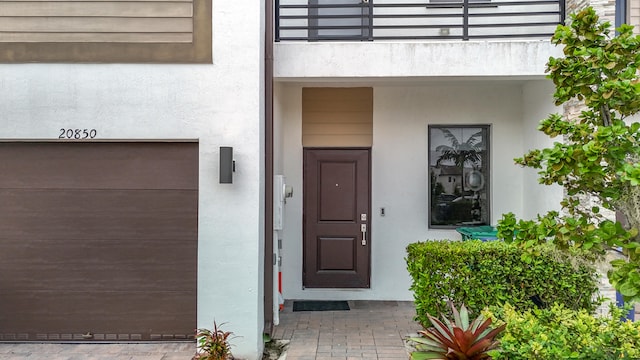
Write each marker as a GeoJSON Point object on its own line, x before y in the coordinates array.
{"type": "Point", "coordinates": [426, 356]}
{"type": "Point", "coordinates": [428, 342]}
{"type": "Point", "coordinates": [628, 289]}
{"type": "Point", "coordinates": [464, 318]}
{"type": "Point", "coordinates": [617, 263]}
{"type": "Point", "coordinates": [440, 330]}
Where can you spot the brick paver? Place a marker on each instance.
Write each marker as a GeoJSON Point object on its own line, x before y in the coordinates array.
{"type": "Point", "coordinates": [373, 330]}
{"type": "Point", "coordinates": [142, 351]}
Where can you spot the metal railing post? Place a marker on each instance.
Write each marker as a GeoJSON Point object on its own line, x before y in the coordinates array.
{"type": "Point", "coordinates": [276, 23]}
{"type": "Point", "coordinates": [465, 20]}
{"type": "Point", "coordinates": [370, 22]}
{"type": "Point", "coordinates": [563, 11]}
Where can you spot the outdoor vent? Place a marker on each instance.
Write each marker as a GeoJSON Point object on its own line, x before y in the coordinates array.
{"type": "Point", "coordinates": [61, 337]}
{"type": "Point", "coordinates": [18, 337]}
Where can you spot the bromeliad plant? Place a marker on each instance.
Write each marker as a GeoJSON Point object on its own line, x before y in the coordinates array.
{"type": "Point", "coordinates": [213, 344]}
{"type": "Point", "coordinates": [458, 340]}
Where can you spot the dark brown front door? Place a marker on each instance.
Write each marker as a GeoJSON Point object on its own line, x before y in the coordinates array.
{"type": "Point", "coordinates": [336, 218]}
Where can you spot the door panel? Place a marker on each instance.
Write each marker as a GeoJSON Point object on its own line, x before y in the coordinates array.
{"type": "Point", "coordinates": [337, 192]}
{"type": "Point", "coordinates": [99, 241]}
{"type": "Point", "coordinates": [336, 206]}
{"type": "Point", "coordinates": [327, 247]}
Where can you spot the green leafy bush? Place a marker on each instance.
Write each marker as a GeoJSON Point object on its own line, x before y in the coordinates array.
{"type": "Point", "coordinates": [560, 333]}
{"type": "Point", "coordinates": [481, 274]}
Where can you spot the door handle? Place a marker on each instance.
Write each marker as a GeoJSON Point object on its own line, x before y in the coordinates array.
{"type": "Point", "coordinates": [363, 229]}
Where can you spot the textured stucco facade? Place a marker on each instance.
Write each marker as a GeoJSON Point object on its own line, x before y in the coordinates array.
{"type": "Point", "coordinates": [216, 104]}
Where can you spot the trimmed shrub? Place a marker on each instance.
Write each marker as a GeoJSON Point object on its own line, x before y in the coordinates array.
{"type": "Point", "coordinates": [560, 333]}
{"type": "Point", "coordinates": [481, 274]}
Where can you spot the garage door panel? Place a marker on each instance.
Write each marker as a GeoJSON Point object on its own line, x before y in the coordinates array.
{"type": "Point", "coordinates": [93, 265]}
{"type": "Point", "coordinates": [74, 166]}
{"type": "Point", "coordinates": [99, 238]}
{"type": "Point", "coordinates": [72, 214]}
{"type": "Point", "coordinates": [57, 313]}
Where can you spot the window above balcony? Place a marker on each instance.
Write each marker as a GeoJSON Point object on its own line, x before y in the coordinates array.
{"type": "Point", "coordinates": [367, 20]}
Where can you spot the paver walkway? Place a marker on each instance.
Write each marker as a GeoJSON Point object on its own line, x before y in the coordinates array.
{"type": "Point", "coordinates": [144, 351]}
{"type": "Point", "coordinates": [370, 330]}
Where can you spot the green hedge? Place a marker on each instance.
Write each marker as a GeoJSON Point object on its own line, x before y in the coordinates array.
{"type": "Point", "coordinates": [559, 333]}
{"type": "Point", "coordinates": [481, 274]}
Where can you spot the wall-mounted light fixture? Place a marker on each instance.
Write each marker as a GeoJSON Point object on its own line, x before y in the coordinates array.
{"type": "Point", "coordinates": [227, 165]}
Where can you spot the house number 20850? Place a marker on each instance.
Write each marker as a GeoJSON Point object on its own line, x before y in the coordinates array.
{"type": "Point", "coordinates": [77, 134]}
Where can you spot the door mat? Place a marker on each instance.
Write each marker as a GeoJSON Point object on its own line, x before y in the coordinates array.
{"type": "Point", "coordinates": [320, 305]}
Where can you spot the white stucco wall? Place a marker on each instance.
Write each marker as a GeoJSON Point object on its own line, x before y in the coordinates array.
{"type": "Point", "coordinates": [537, 105]}
{"type": "Point", "coordinates": [219, 104]}
{"type": "Point", "coordinates": [402, 113]}
{"type": "Point", "coordinates": [379, 60]}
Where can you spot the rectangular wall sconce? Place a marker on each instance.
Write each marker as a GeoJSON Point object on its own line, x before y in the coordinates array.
{"type": "Point", "coordinates": [227, 165]}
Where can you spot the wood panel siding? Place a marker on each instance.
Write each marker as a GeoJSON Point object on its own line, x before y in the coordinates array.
{"type": "Point", "coordinates": [93, 25]}
{"type": "Point", "coordinates": [151, 9]}
{"type": "Point", "coordinates": [143, 169]}
{"type": "Point", "coordinates": [337, 117]}
{"type": "Point", "coordinates": [105, 31]}
{"type": "Point", "coordinates": [99, 241]}
{"type": "Point", "coordinates": [97, 38]}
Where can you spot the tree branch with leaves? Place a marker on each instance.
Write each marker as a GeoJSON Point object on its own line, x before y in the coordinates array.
{"type": "Point", "coordinates": [597, 155]}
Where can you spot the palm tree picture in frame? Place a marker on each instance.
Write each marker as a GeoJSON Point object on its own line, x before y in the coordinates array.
{"type": "Point", "coordinates": [458, 175]}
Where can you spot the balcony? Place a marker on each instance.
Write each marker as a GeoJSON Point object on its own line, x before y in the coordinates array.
{"type": "Point", "coordinates": [410, 20]}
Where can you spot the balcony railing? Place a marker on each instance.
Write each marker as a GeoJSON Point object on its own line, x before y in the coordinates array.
{"type": "Point", "coordinates": [368, 20]}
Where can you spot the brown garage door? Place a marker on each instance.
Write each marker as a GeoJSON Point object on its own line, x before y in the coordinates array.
{"type": "Point", "coordinates": [98, 241]}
